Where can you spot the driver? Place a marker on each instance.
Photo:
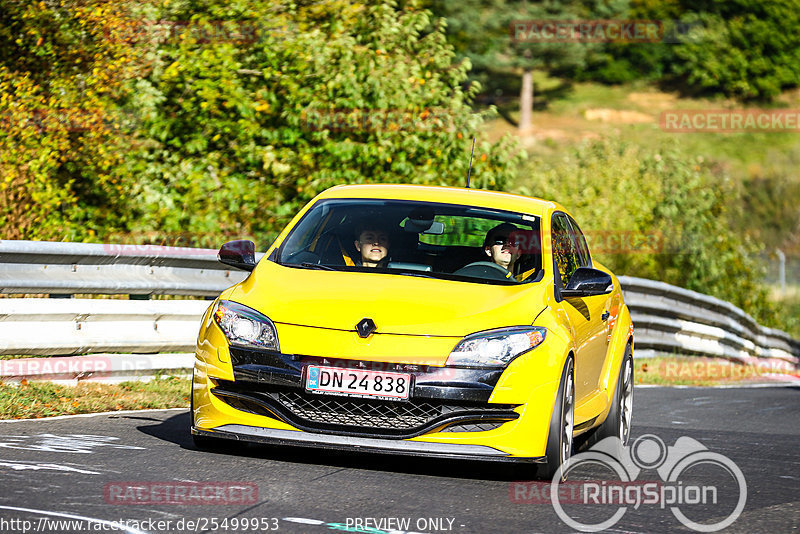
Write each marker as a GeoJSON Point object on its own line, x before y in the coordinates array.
{"type": "Point", "coordinates": [499, 249]}
{"type": "Point", "coordinates": [372, 243]}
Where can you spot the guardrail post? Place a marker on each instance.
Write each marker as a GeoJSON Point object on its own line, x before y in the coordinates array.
{"type": "Point", "coordinates": [782, 270]}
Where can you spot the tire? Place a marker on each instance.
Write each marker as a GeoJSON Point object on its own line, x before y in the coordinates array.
{"type": "Point", "coordinates": [618, 422]}
{"type": "Point", "coordinates": [562, 424]}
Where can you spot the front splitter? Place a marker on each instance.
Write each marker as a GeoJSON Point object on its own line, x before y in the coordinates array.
{"type": "Point", "coordinates": [374, 445]}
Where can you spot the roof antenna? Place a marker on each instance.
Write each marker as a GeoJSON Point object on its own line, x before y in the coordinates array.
{"type": "Point", "coordinates": [469, 172]}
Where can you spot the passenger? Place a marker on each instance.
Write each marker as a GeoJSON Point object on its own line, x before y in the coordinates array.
{"type": "Point", "coordinates": [499, 249]}
{"type": "Point", "coordinates": [372, 242]}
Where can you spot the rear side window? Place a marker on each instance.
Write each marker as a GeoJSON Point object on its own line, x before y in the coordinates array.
{"type": "Point", "coordinates": [565, 255]}
{"type": "Point", "coordinates": [579, 243]}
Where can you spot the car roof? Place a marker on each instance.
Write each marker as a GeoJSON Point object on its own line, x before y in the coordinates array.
{"type": "Point", "coordinates": [448, 195]}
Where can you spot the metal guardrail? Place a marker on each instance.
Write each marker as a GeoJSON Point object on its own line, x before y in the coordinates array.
{"type": "Point", "coordinates": [667, 319]}
{"type": "Point", "coordinates": [67, 268]}
{"type": "Point", "coordinates": [109, 368]}
{"type": "Point", "coordinates": [675, 320]}
{"type": "Point", "coordinates": [41, 326]}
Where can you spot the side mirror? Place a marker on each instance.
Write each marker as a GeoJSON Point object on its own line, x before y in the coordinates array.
{"type": "Point", "coordinates": [240, 254]}
{"type": "Point", "coordinates": [587, 282]}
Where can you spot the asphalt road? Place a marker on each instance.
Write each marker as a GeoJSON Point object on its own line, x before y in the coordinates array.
{"type": "Point", "coordinates": [86, 470]}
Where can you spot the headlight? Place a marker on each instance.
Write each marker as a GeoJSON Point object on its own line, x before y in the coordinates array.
{"type": "Point", "coordinates": [245, 326]}
{"type": "Point", "coordinates": [495, 348]}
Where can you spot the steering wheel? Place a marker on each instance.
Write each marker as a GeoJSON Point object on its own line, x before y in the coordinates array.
{"type": "Point", "coordinates": [485, 269]}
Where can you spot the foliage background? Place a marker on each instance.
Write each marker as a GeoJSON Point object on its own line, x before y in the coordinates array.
{"type": "Point", "coordinates": [186, 122]}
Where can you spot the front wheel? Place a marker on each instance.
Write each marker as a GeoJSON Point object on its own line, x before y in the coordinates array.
{"type": "Point", "coordinates": [618, 422]}
{"type": "Point", "coordinates": [562, 424]}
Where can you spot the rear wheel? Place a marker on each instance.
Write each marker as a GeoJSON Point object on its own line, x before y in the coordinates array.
{"type": "Point", "coordinates": [562, 424]}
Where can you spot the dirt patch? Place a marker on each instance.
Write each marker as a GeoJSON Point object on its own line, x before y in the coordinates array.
{"type": "Point", "coordinates": [617, 116]}
{"type": "Point", "coordinates": [790, 97]}
{"type": "Point", "coordinates": [553, 127]}
{"type": "Point", "coordinates": [653, 100]}
{"type": "Point", "coordinates": [541, 134]}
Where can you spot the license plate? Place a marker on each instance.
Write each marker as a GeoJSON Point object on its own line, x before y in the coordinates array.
{"type": "Point", "coordinates": [356, 382]}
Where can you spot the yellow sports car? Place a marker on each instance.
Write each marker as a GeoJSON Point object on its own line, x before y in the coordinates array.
{"type": "Point", "coordinates": [416, 320]}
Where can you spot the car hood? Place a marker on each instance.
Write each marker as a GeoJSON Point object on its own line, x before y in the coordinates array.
{"type": "Point", "coordinates": [407, 305]}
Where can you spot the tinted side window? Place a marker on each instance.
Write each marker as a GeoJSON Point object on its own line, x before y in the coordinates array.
{"type": "Point", "coordinates": [579, 242]}
{"type": "Point", "coordinates": [564, 254]}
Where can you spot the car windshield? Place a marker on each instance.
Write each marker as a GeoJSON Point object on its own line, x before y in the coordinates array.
{"type": "Point", "coordinates": [455, 242]}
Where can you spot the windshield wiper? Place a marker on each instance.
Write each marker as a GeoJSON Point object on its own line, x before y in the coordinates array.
{"type": "Point", "coordinates": [309, 265]}
{"type": "Point", "coordinates": [411, 272]}
{"type": "Point", "coordinates": [308, 245]}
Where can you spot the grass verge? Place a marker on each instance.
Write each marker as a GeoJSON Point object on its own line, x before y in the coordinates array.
{"type": "Point", "coordinates": [34, 400]}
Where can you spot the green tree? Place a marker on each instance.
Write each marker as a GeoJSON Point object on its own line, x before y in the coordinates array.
{"type": "Point", "coordinates": [60, 140]}
{"type": "Point", "coordinates": [239, 132]}
{"type": "Point", "coordinates": [741, 48]}
{"type": "Point", "coordinates": [492, 34]}
{"type": "Point", "coordinates": [673, 226]}
{"type": "Point", "coordinates": [745, 49]}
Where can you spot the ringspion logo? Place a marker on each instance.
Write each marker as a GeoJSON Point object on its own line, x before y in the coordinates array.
{"type": "Point", "coordinates": [704, 490]}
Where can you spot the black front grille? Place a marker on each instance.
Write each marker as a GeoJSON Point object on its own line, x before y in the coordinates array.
{"type": "Point", "coordinates": [473, 427]}
{"type": "Point", "coordinates": [361, 412]}
{"type": "Point", "coordinates": [360, 416]}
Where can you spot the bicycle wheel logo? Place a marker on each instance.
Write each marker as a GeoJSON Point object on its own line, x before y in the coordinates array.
{"type": "Point", "coordinates": [691, 478]}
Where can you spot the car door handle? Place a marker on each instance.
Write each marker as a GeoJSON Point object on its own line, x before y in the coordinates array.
{"type": "Point", "coordinates": [605, 316]}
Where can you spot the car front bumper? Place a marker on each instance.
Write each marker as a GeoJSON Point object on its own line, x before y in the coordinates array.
{"type": "Point", "coordinates": [502, 415]}
{"type": "Point", "coordinates": [374, 445]}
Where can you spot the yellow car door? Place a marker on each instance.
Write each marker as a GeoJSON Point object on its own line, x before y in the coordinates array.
{"type": "Point", "coordinates": [586, 315]}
